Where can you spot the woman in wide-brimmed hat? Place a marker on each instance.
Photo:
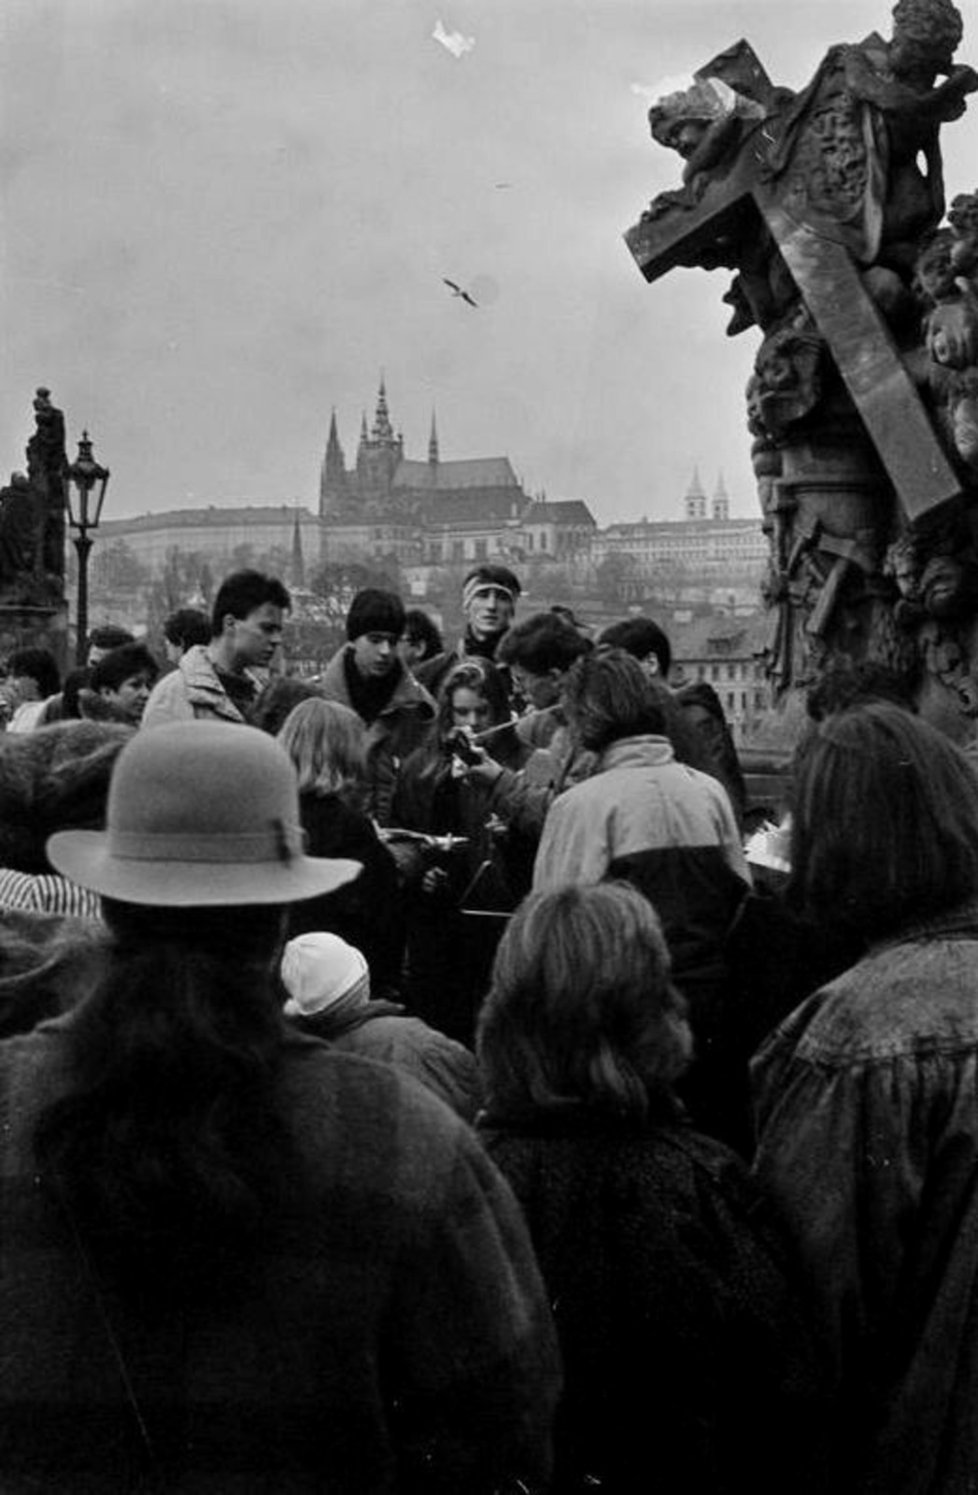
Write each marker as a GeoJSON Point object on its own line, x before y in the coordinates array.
{"type": "Point", "coordinates": [231, 1258]}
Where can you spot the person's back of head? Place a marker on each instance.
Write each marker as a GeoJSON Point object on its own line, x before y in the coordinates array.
{"type": "Point", "coordinates": [186, 627]}
{"type": "Point", "coordinates": [55, 778]}
{"type": "Point", "coordinates": [643, 639]}
{"type": "Point", "coordinates": [105, 637]}
{"type": "Point", "coordinates": [581, 1008]}
{"type": "Point", "coordinates": [884, 821]}
{"type": "Point", "coordinates": [326, 742]}
{"type": "Point", "coordinates": [845, 685]}
{"type": "Point", "coordinates": [38, 665]}
{"type": "Point", "coordinates": [169, 1145]}
{"type": "Point", "coordinates": [608, 696]}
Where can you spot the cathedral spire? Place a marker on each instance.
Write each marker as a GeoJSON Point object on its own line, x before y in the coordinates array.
{"type": "Point", "coordinates": [297, 568]}
{"type": "Point", "coordinates": [332, 475]}
{"type": "Point", "coordinates": [333, 466]}
{"type": "Point", "coordinates": [382, 429]}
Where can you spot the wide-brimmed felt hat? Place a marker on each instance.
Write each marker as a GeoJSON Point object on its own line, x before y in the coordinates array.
{"type": "Point", "coordinates": [200, 814]}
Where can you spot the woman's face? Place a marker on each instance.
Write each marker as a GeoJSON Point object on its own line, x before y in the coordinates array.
{"type": "Point", "coordinates": [469, 709]}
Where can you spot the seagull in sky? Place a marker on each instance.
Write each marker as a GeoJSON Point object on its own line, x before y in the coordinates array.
{"type": "Point", "coordinates": [453, 41]}
{"type": "Point", "coordinates": [457, 290]}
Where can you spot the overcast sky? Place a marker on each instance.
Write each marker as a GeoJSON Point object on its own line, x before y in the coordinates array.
{"type": "Point", "coordinates": [221, 218]}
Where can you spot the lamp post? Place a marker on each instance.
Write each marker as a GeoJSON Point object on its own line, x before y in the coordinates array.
{"type": "Point", "coordinates": [89, 480]}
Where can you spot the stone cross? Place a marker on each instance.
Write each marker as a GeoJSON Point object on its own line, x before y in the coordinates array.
{"type": "Point", "coordinates": [689, 231]}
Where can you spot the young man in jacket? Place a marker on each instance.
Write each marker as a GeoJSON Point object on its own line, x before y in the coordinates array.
{"type": "Point", "coordinates": [213, 681]}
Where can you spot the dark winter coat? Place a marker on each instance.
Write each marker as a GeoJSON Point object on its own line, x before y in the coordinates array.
{"type": "Point", "coordinates": [391, 737]}
{"type": "Point", "coordinates": [394, 1338]}
{"type": "Point", "coordinates": [368, 912]}
{"type": "Point", "coordinates": [450, 952]}
{"type": "Point", "coordinates": [688, 1362]}
{"type": "Point", "coordinates": [387, 1032]}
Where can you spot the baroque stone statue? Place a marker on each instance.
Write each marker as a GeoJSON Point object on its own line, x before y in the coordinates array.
{"type": "Point", "coordinates": [863, 404]}
{"type": "Point", "coordinates": [32, 516]}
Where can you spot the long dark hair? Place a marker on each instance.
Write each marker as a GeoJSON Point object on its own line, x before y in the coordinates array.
{"type": "Point", "coordinates": [581, 1010]}
{"type": "Point", "coordinates": [884, 821]}
{"type": "Point", "coordinates": [168, 1152]}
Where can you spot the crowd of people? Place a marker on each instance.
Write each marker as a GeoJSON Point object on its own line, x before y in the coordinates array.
{"type": "Point", "coordinates": [412, 1080]}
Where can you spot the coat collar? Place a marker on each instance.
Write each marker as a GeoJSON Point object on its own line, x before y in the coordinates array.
{"type": "Point", "coordinates": [637, 752]}
{"type": "Point", "coordinates": [409, 693]}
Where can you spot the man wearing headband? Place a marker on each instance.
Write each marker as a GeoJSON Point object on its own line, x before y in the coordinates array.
{"type": "Point", "coordinates": [489, 595]}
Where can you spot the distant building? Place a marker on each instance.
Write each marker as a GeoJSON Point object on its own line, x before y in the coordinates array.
{"type": "Point", "coordinates": [217, 533]}
{"type": "Point", "coordinates": [728, 653]}
{"type": "Point", "coordinates": [436, 513]}
{"type": "Point", "coordinates": [700, 557]}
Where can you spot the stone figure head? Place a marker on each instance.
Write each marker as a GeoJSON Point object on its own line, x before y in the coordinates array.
{"type": "Point", "coordinates": [934, 270]}
{"type": "Point", "coordinates": [926, 34]}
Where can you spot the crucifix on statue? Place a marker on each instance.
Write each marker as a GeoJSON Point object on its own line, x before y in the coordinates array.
{"type": "Point", "coordinates": [821, 203]}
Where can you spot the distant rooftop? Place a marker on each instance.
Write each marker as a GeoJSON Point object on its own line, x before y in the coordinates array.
{"type": "Point", "coordinates": [473, 472]}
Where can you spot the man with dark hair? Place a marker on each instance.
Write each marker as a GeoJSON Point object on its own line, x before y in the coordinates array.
{"type": "Point", "coordinates": [214, 681]}
{"type": "Point", "coordinates": [105, 637]}
{"type": "Point", "coordinates": [539, 652]}
{"type": "Point", "coordinates": [489, 595]}
{"type": "Point", "coordinates": [119, 685]}
{"type": "Point", "coordinates": [184, 628]}
{"type": "Point", "coordinates": [645, 641]}
{"type": "Point", "coordinates": [367, 675]}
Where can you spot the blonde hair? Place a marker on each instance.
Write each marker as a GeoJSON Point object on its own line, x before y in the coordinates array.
{"type": "Point", "coordinates": [325, 741]}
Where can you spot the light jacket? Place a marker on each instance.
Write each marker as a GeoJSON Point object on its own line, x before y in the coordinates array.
{"type": "Point", "coordinates": [192, 691]}
{"type": "Point", "coordinates": [394, 733]}
{"type": "Point", "coordinates": [663, 826]}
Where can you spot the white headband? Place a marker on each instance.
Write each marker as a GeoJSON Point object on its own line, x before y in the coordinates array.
{"type": "Point", "coordinates": [475, 585]}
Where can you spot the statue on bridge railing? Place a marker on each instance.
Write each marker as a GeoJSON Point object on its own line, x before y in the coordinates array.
{"type": "Point", "coordinates": [863, 403]}
{"type": "Point", "coordinates": [32, 516]}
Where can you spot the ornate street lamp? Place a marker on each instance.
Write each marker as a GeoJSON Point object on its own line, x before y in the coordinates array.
{"type": "Point", "coordinates": [89, 481]}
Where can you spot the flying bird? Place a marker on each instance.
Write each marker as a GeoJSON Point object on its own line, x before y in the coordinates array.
{"type": "Point", "coordinates": [453, 41]}
{"type": "Point", "coordinates": [456, 290]}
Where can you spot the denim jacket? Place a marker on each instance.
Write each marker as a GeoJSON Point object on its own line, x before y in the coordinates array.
{"type": "Point", "coordinates": [866, 1101]}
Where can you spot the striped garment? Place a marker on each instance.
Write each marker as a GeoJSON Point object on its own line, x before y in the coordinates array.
{"type": "Point", "coordinates": [47, 893]}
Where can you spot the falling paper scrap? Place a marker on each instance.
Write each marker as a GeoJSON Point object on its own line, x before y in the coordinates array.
{"type": "Point", "coordinates": [453, 41]}
{"type": "Point", "coordinates": [457, 290]}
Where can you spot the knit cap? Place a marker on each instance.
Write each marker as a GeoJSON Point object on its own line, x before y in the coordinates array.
{"type": "Point", "coordinates": [321, 973]}
{"type": "Point", "coordinates": [374, 611]}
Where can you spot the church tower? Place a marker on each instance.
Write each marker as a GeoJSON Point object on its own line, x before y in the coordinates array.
{"type": "Point", "coordinates": [332, 476]}
{"type": "Point", "coordinates": [379, 454]}
{"type": "Point", "coordinates": [721, 500]}
{"type": "Point", "coordinates": [695, 498]}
